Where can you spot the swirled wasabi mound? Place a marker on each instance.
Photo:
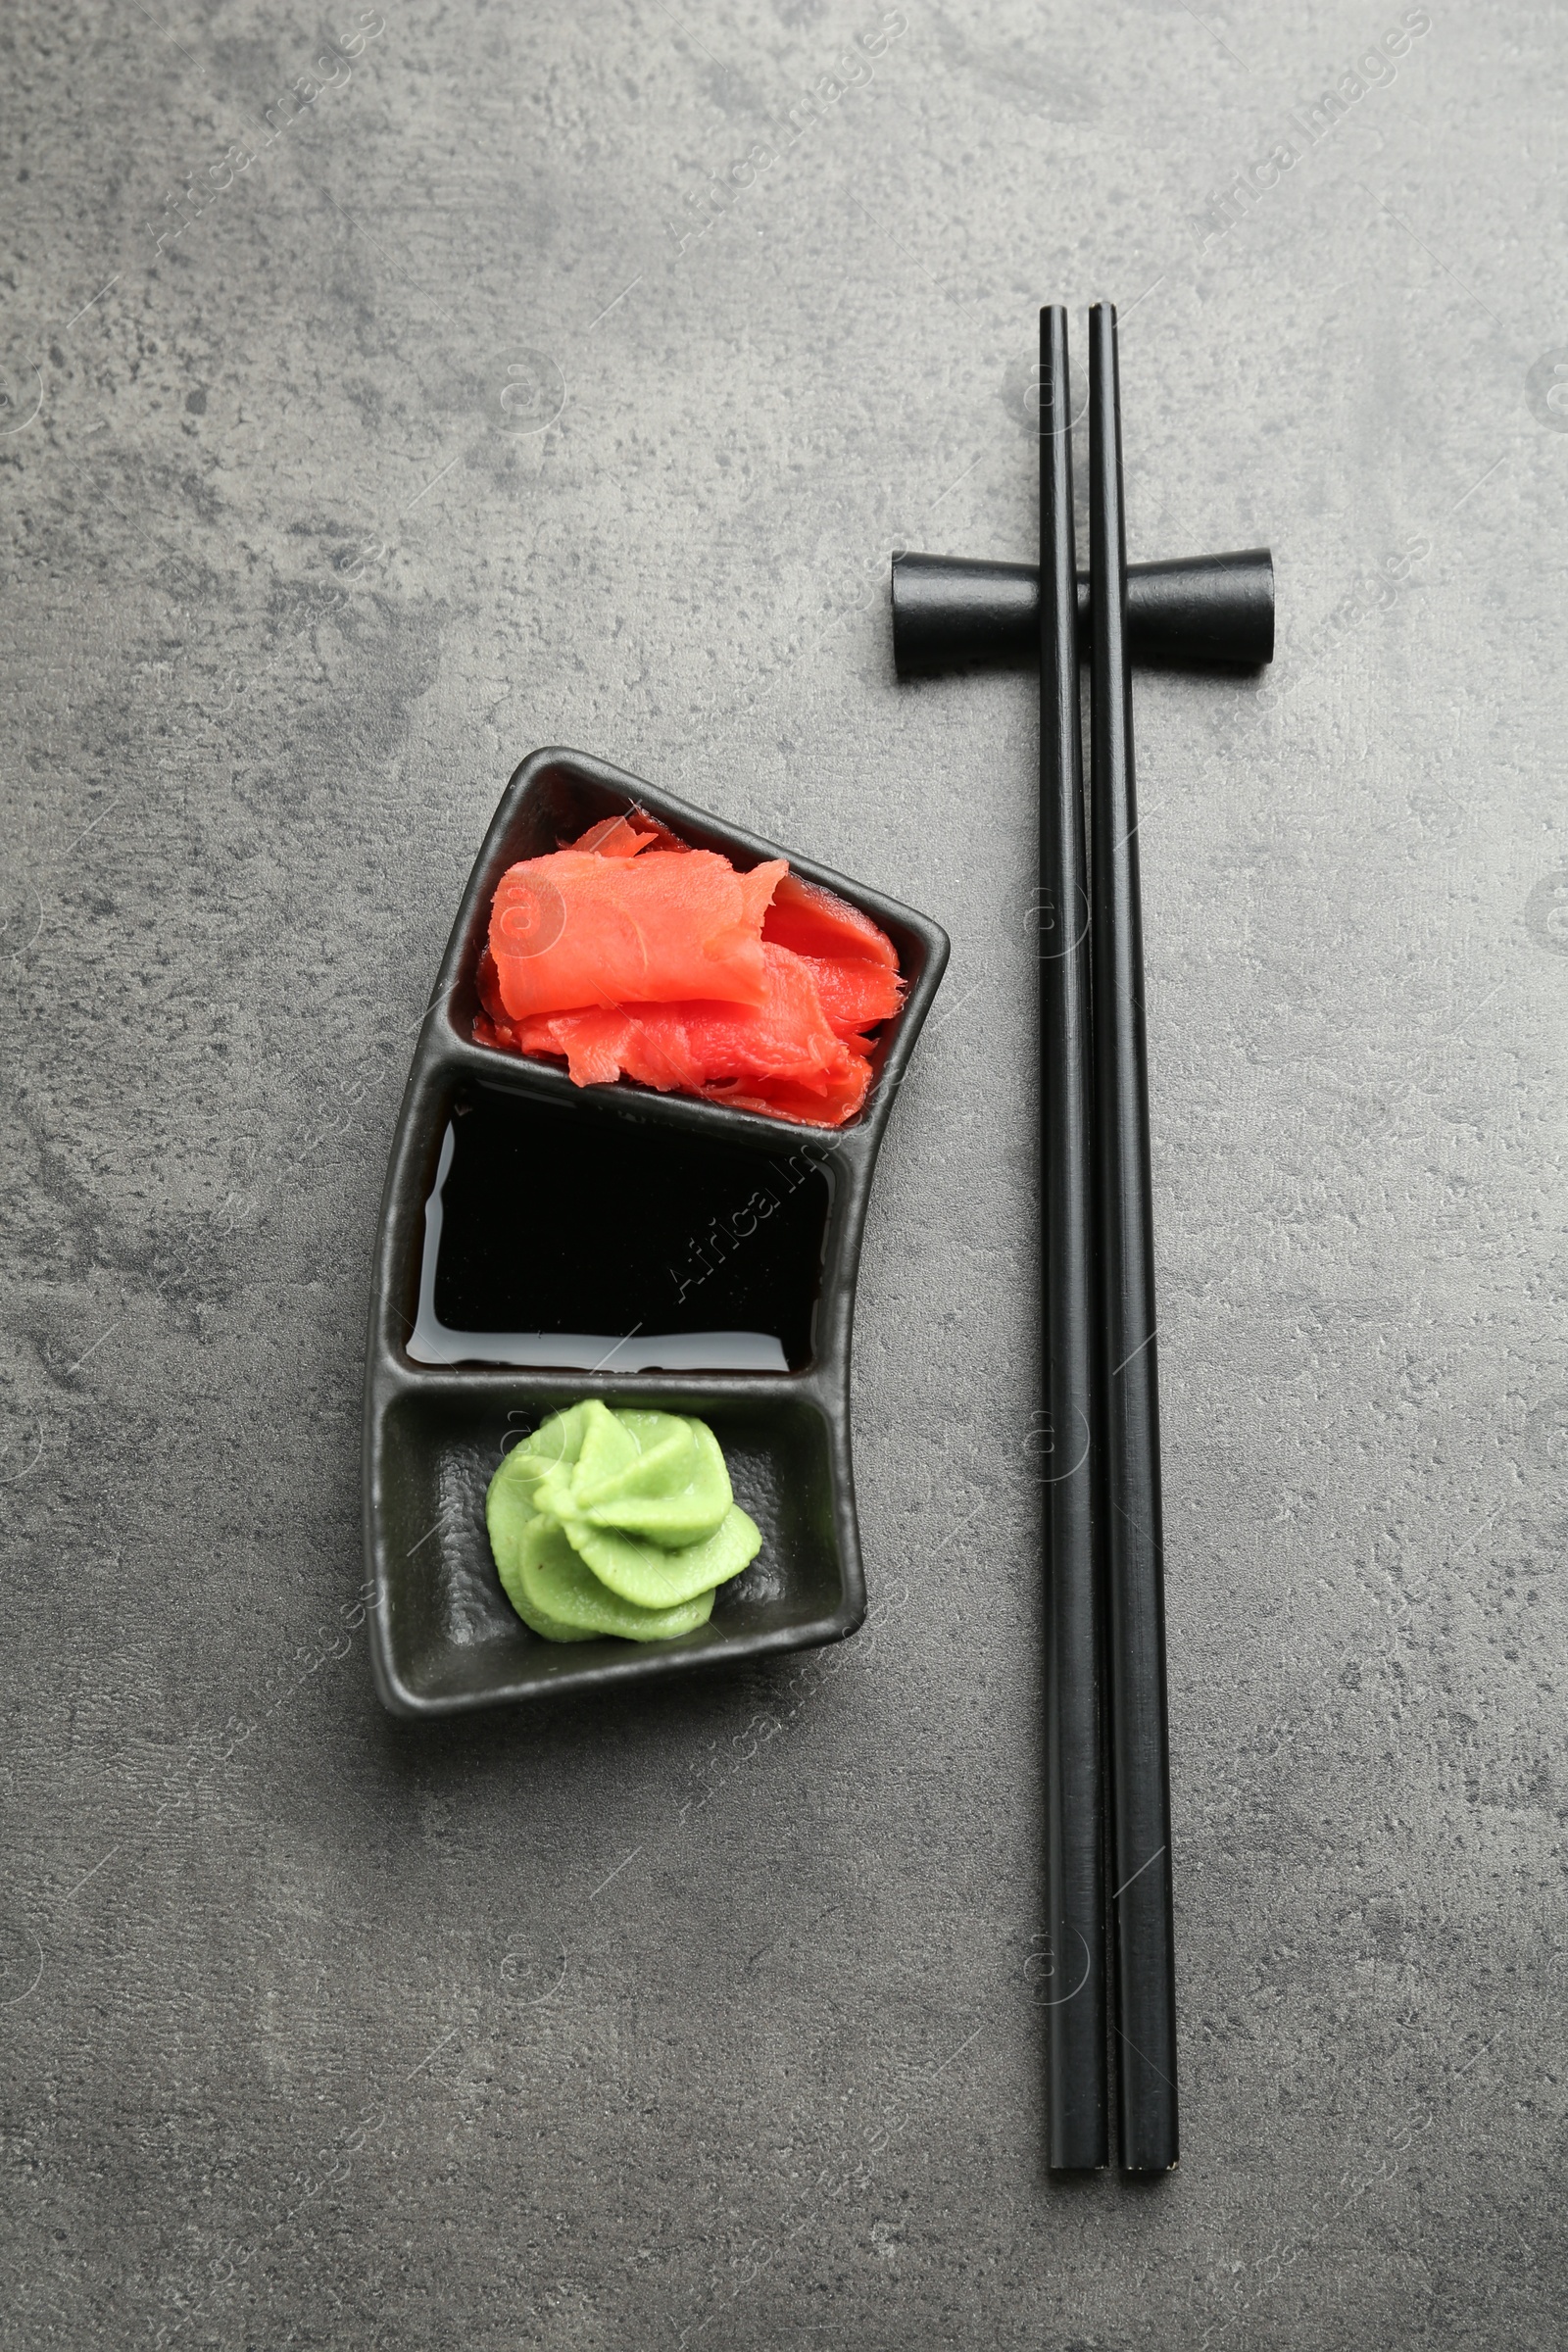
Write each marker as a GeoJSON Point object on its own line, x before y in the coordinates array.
{"type": "Point", "coordinates": [616, 1522]}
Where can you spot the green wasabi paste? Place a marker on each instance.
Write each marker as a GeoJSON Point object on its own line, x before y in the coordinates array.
{"type": "Point", "coordinates": [605, 1522]}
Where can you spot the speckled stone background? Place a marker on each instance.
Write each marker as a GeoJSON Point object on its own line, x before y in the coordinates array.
{"type": "Point", "coordinates": [567, 375]}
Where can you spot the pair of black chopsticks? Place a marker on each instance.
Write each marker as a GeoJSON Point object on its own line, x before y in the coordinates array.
{"type": "Point", "coordinates": [1109, 1895]}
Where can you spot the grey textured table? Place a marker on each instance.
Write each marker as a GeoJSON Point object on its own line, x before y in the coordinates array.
{"type": "Point", "coordinates": [530, 378]}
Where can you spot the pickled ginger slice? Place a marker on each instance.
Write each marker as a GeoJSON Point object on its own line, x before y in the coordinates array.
{"type": "Point", "coordinates": [581, 928]}
{"type": "Point", "coordinates": [785, 1046]}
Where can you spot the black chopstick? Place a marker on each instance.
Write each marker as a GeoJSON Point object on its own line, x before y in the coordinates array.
{"type": "Point", "coordinates": [1127, 1423]}
{"type": "Point", "coordinates": [1075, 1886]}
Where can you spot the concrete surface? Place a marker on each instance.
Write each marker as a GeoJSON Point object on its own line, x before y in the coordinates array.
{"type": "Point", "coordinates": [425, 440]}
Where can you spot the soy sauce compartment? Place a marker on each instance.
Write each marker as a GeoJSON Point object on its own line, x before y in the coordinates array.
{"type": "Point", "coordinates": [570, 1236]}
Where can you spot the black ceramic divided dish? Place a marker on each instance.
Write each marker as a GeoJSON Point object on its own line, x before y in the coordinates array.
{"type": "Point", "coordinates": [634, 1238]}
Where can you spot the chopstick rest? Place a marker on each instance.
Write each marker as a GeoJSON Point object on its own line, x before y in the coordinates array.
{"type": "Point", "coordinates": [1195, 612]}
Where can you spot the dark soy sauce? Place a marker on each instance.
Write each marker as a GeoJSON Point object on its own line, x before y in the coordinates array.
{"type": "Point", "coordinates": [563, 1234]}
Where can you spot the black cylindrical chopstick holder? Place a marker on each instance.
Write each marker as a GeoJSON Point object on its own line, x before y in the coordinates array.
{"type": "Point", "coordinates": [1128, 1420]}
{"type": "Point", "coordinates": [1193, 610]}
{"type": "Point", "coordinates": [1078, 2131]}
